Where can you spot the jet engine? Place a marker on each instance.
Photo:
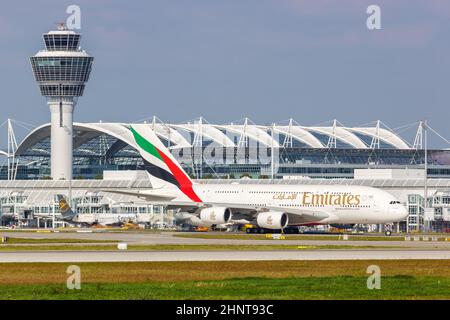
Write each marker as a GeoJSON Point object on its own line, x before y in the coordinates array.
{"type": "Point", "coordinates": [272, 220]}
{"type": "Point", "coordinates": [215, 215]}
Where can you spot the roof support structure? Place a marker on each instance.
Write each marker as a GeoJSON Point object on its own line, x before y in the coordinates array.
{"type": "Point", "coordinates": [12, 147]}
{"type": "Point", "coordinates": [379, 134]}
{"type": "Point", "coordinates": [418, 140]}
{"type": "Point", "coordinates": [375, 144]}
{"type": "Point", "coordinates": [250, 131]}
{"type": "Point", "coordinates": [287, 143]}
{"type": "Point", "coordinates": [296, 132]}
{"type": "Point", "coordinates": [243, 139]}
{"type": "Point", "coordinates": [332, 139]}
{"type": "Point", "coordinates": [174, 138]}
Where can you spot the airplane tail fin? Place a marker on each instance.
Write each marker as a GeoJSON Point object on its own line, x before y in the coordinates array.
{"type": "Point", "coordinates": [65, 209]}
{"type": "Point", "coordinates": [163, 169]}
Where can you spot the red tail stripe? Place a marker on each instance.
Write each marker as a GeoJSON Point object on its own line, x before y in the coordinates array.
{"type": "Point", "coordinates": [183, 180]}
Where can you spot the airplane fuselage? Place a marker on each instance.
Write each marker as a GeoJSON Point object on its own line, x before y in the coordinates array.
{"type": "Point", "coordinates": [342, 204]}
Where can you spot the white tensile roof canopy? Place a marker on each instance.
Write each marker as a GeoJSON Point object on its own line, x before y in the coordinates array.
{"type": "Point", "coordinates": [186, 135]}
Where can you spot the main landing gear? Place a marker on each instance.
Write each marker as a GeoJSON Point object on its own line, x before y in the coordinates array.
{"type": "Point", "coordinates": [257, 230]}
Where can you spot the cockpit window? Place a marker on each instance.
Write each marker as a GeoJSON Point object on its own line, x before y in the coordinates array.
{"type": "Point", "coordinates": [394, 202]}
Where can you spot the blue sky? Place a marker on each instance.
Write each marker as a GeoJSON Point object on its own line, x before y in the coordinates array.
{"type": "Point", "coordinates": [269, 60]}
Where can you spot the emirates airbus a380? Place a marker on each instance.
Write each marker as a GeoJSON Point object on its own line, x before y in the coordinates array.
{"type": "Point", "coordinates": [265, 206]}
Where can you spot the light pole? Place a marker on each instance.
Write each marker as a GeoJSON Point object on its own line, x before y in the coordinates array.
{"type": "Point", "coordinates": [425, 182]}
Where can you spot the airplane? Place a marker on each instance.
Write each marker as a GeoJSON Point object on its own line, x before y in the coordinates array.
{"type": "Point", "coordinates": [191, 219]}
{"type": "Point", "coordinates": [88, 220]}
{"type": "Point", "coordinates": [266, 206]}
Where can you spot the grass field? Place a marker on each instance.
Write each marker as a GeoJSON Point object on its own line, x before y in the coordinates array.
{"type": "Point", "coordinates": [404, 279]}
{"type": "Point", "coordinates": [12, 240]}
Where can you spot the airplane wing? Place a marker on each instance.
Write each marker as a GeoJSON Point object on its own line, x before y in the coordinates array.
{"type": "Point", "coordinates": [240, 212]}
{"type": "Point", "coordinates": [146, 196]}
{"type": "Point", "coordinates": [296, 216]}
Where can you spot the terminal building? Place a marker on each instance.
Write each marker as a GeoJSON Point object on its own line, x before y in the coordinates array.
{"type": "Point", "coordinates": [235, 150]}
{"type": "Point", "coordinates": [372, 156]}
{"type": "Point", "coordinates": [61, 155]}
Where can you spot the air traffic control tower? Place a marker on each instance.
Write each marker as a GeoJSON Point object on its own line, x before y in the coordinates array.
{"type": "Point", "coordinates": [61, 71]}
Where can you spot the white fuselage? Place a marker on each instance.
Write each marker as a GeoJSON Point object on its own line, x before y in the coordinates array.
{"type": "Point", "coordinates": [342, 204]}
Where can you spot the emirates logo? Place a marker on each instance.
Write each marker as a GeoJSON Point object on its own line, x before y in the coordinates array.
{"type": "Point", "coordinates": [269, 220]}
{"type": "Point", "coordinates": [212, 216]}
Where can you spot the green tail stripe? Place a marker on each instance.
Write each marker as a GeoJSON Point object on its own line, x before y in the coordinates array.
{"type": "Point", "coordinates": [144, 144]}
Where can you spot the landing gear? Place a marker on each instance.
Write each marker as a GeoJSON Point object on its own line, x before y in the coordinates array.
{"type": "Point", "coordinates": [388, 233]}
{"type": "Point", "coordinates": [257, 230]}
{"type": "Point", "coordinates": [291, 230]}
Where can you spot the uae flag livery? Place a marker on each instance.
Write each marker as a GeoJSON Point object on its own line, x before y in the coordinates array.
{"type": "Point", "coordinates": [160, 164]}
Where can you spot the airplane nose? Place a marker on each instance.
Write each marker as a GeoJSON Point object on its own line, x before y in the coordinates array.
{"type": "Point", "coordinates": [399, 212]}
{"type": "Point", "coordinates": [403, 213]}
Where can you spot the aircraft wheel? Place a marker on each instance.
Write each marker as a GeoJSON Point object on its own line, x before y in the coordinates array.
{"type": "Point", "coordinates": [388, 233]}
{"type": "Point", "coordinates": [248, 230]}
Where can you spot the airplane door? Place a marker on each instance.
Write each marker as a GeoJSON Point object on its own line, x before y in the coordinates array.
{"type": "Point", "coordinates": [376, 207]}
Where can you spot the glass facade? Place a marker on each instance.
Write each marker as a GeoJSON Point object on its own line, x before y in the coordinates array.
{"type": "Point", "coordinates": [104, 152]}
{"type": "Point", "coordinates": [62, 42]}
{"type": "Point", "coordinates": [62, 90]}
{"type": "Point", "coordinates": [72, 69]}
{"type": "Point", "coordinates": [438, 203]}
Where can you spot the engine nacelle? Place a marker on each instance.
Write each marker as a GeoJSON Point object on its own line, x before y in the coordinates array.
{"type": "Point", "coordinates": [272, 220]}
{"type": "Point", "coordinates": [215, 215]}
